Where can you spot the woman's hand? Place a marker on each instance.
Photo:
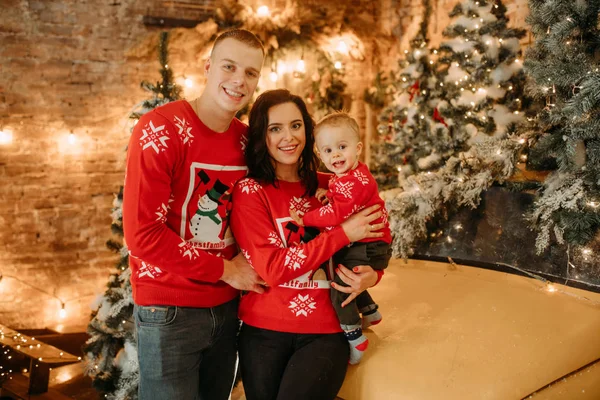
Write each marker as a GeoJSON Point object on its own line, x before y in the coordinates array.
{"type": "Point", "coordinates": [358, 226]}
{"type": "Point", "coordinates": [359, 279]}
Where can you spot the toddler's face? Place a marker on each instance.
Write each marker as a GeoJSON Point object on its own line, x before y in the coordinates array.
{"type": "Point", "coordinates": [339, 148]}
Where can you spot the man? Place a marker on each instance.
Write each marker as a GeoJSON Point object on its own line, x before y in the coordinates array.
{"type": "Point", "coordinates": [183, 161]}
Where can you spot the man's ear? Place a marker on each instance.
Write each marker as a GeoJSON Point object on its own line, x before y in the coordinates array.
{"type": "Point", "coordinates": [206, 66]}
{"type": "Point", "coordinates": [359, 147]}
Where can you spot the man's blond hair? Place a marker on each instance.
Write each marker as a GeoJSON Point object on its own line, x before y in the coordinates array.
{"type": "Point", "coordinates": [338, 118]}
{"type": "Point", "coordinates": [241, 35]}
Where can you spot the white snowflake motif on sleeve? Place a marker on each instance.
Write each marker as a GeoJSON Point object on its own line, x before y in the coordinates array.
{"type": "Point", "coordinates": [154, 137]}
{"type": "Point", "coordinates": [300, 204]}
{"type": "Point", "coordinates": [302, 305]}
{"type": "Point", "coordinates": [275, 240]}
{"type": "Point", "coordinates": [294, 258]}
{"type": "Point", "coordinates": [148, 270]}
{"type": "Point", "coordinates": [163, 210]}
{"type": "Point", "coordinates": [344, 188]}
{"type": "Point", "coordinates": [186, 249]}
{"type": "Point", "coordinates": [249, 186]}
{"type": "Point", "coordinates": [362, 178]}
{"type": "Point", "coordinates": [384, 216]}
{"type": "Point", "coordinates": [325, 210]}
{"type": "Point", "coordinates": [185, 130]}
{"type": "Point", "coordinates": [247, 256]}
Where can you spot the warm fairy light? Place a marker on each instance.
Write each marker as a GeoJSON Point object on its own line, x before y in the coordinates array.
{"type": "Point", "coordinates": [586, 251]}
{"type": "Point", "coordinates": [435, 52]}
{"type": "Point", "coordinates": [6, 137]}
{"type": "Point", "coordinates": [592, 204]}
{"type": "Point", "coordinates": [399, 168]}
{"type": "Point", "coordinates": [524, 157]}
{"type": "Point", "coordinates": [403, 79]}
{"type": "Point", "coordinates": [500, 40]}
{"type": "Point", "coordinates": [342, 47]}
{"type": "Point", "coordinates": [337, 65]}
{"type": "Point", "coordinates": [422, 117]}
{"type": "Point", "coordinates": [488, 42]}
{"type": "Point", "coordinates": [405, 51]}
{"type": "Point", "coordinates": [189, 83]}
{"type": "Point", "coordinates": [72, 139]}
{"type": "Point", "coordinates": [417, 53]}
{"type": "Point", "coordinates": [516, 112]}
{"type": "Point", "coordinates": [522, 140]}
{"type": "Point", "coordinates": [430, 62]}
{"type": "Point", "coordinates": [273, 76]}
{"type": "Point", "coordinates": [62, 313]}
{"type": "Point", "coordinates": [516, 60]}
{"type": "Point", "coordinates": [499, 152]}
{"type": "Point", "coordinates": [458, 227]}
{"type": "Point", "coordinates": [263, 11]}
{"type": "Point", "coordinates": [441, 83]}
{"type": "Point", "coordinates": [550, 287]}
{"type": "Point", "coordinates": [449, 239]}
{"type": "Point", "coordinates": [477, 26]}
{"type": "Point", "coordinates": [300, 67]}
{"type": "Point", "coordinates": [510, 88]}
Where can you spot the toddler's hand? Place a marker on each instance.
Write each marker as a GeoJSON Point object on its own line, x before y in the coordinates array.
{"type": "Point", "coordinates": [321, 195]}
{"type": "Point", "coordinates": [297, 219]}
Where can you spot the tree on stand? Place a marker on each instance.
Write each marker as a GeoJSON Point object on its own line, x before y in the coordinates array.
{"type": "Point", "coordinates": [111, 351]}
{"type": "Point", "coordinates": [564, 63]}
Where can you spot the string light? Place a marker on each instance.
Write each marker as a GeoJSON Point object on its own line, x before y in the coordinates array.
{"type": "Point", "coordinates": [72, 139]}
{"type": "Point", "coordinates": [337, 65]}
{"type": "Point", "coordinates": [6, 137]}
{"type": "Point", "coordinates": [189, 83]}
{"type": "Point", "coordinates": [273, 76]}
{"type": "Point", "coordinates": [300, 67]}
{"type": "Point", "coordinates": [342, 47]}
{"type": "Point", "coordinates": [263, 11]}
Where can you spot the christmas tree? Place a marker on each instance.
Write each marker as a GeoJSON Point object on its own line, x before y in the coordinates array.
{"type": "Point", "coordinates": [415, 136]}
{"type": "Point", "coordinates": [111, 352]}
{"type": "Point", "coordinates": [564, 64]}
{"type": "Point", "coordinates": [479, 101]}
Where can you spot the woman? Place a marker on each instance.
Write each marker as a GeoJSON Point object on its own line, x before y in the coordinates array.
{"type": "Point", "coordinates": [291, 345]}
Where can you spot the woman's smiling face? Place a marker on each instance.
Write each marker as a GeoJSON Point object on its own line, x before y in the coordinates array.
{"type": "Point", "coordinates": [286, 137]}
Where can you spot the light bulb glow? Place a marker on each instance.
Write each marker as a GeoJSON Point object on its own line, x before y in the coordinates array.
{"type": "Point", "coordinates": [62, 313]}
{"type": "Point", "coordinates": [263, 11]}
{"type": "Point", "coordinates": [6, 137]}
{"type": "Point", "coordinates": [300, 67]}
{"type": "Point", "coordinates": [273, 76]}
{"type": "Point", "coordinates": [189, 83]}
{"type": "Point", "coordinates": [337, 65]}
{"type": "Point", "coordinates": [342, 47]}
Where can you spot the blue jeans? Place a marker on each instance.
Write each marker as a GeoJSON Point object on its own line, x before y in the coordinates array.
{"type": "Point", "coordinates": [186, 353]}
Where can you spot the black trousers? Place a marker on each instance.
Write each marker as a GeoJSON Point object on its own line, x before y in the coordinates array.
{"type": "Point", "coordinates": [290, 366]}
{"type": "Point", "coordinates": [375, 254]}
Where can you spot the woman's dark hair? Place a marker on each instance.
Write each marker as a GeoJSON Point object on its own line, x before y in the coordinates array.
{"type": "Point", "coordinates": [258, 159]}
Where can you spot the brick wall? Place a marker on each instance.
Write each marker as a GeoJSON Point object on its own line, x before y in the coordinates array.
{"type": "Point", "coordinates": [74, 67]}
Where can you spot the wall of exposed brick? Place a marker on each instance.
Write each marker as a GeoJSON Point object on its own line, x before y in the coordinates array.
{"type": "Point", "coordinates": [75, 67]}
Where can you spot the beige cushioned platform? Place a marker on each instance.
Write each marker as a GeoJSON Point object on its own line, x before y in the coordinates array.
{"type": "Point", "coordinates": [469, 333]}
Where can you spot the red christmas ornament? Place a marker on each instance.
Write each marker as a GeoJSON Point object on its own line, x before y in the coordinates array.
{"type": "Point", "coordinates": [414, 90]}
{"type": "Point", "coordinates": [437, 117]}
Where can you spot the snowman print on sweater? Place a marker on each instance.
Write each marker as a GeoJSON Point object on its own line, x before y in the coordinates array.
{"type": "Point", "coordinates": [206, 225]}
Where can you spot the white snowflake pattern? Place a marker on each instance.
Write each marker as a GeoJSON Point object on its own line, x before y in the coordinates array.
{"type": "Point", "coordinates": [300, 204]}
{"type": "Point", "coordinates": [328, 209]}
{"type": "Point", "coordinates": [302, 305]}
{"type": "Point", "coordinates": [163, 210]}
{"type": "Point", "coordinates": [154, 137]}
{"type": "Point", "coordinates": [384, 217]}
{"type": "Point", "coordinates": [344, 188]}
{"type": "Point", "coordinates": [148, 270]}
{"type": "Point", "coordinates": [243, 142]}
{"type": "Point", "coordinates": [294, 258]}
{"type": "Point", "coordinates": [185, 130]}
{"type": "Point", "coordinates": [275, 240]}
{"type": "Point", "coordinates": [362, 178]}
{"type": "Point", "coordinates": [186, 249]}
{"type": "Point", "coordinates": [247, 256]}
{"type": "Point", "coordinates": [249, 186]}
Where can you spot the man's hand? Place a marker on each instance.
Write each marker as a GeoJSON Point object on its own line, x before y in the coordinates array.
{"type": "Point", "coordinates": [297, 219]}
{"type": "Point", "coordinates": [240, 275]}
{"type": "Point", "coordinates": [321, 195]}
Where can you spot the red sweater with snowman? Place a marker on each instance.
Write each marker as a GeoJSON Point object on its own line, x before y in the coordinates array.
{"type": "Point", "coordinates": [176, 203]}
{"type": "Point", "coordinates": [293, 260]}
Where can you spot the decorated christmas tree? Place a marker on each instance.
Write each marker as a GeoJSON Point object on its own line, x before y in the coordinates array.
{"type": "Point", "coordinates": [564, 63]}
{"type": "Point", "coordinates": [479, 100]}
{"type": "Point", "coordinates": [111, 353]}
